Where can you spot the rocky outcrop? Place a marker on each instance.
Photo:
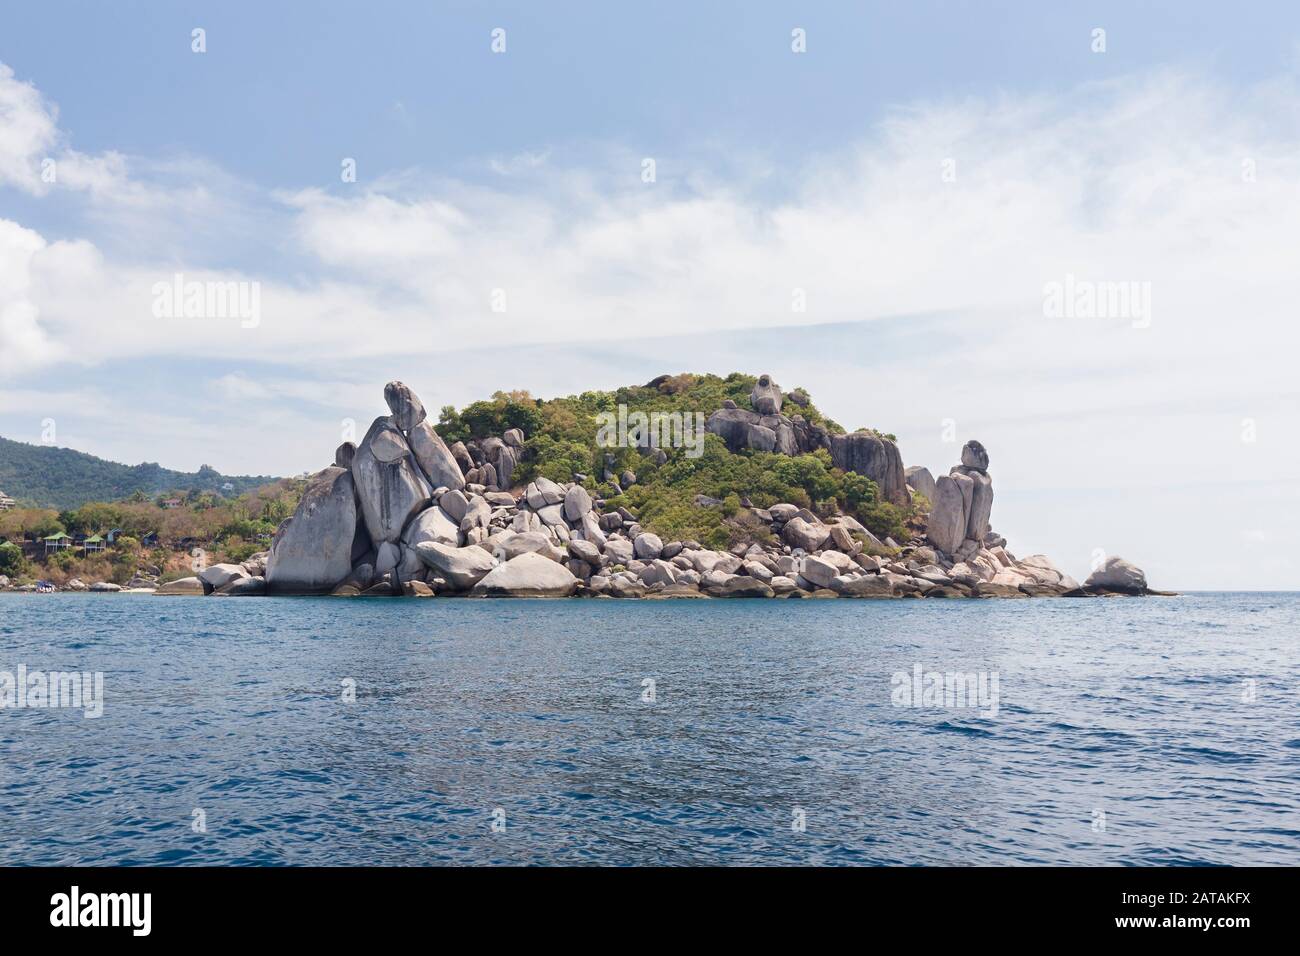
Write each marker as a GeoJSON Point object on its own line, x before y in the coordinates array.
{"type": "Point", "coordinates": [766, 396]}
{"type": "Point", "coordinates": [876, 457]}
{"type": "Point", "coordinates": [312, 551]}
{"type": "Point", "coordinates": [963, 503]}
{"type": "Point", "coordinates": [918, 477]}
{"type": "Point", "coordinates": [402, 514]}
{"type": "Point", "coordinates": [390, 485]}
{"type": "Point", "coordinates": [1118, 576]}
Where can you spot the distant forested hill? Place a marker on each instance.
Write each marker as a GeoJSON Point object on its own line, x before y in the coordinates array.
{"type": "Point", "coordinates": [62, 478]}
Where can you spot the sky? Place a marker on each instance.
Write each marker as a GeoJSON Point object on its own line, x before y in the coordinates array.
{"type": "Point", "coordinates": [925, 178]}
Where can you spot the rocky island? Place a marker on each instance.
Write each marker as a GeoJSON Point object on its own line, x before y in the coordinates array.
{"type": "Point", "coordinates": [404, 513]}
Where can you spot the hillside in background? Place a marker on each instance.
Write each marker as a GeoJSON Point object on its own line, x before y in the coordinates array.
{"type": "Point", "coordinates": [61, 478]}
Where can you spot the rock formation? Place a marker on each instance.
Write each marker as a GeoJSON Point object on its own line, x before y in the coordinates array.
{"type": "Point", "coordinates": [962, 503]}
{"type": "Point", "coordinates": [404, 514]}
{"type": "Point", "coordinates": [766, 429]}
{"type": "Point", "coordinates": [312, 551]}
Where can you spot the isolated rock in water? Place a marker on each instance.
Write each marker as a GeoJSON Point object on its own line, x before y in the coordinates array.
{"type": "Point", "coordinates": [1116, 574]}
{"type": "Point", "coordinates": [408, 410]}
{"type": "Point", "coordinates": [344, 454]}
{"type": "Point", "coordinates": [947, 526]}
{"type": "Point", "coordinates": [435, 458]}
{"type": "Point", "coordinates": [312, 551]}
{"type": "Point", "coordinates": [919, 477]}
{"type": "Point", "coordinates": [390, 486]}
{"type": "Point", "coordinates": [462, 567]}
{"type": "Point", "coordinates": [766, 396]}
{"type": "Point", "coordinates": [528, 575]}
{"type": "Point", "coordinates": [974, 456]}
{"type": "Point", "coordinates": [877, 458]}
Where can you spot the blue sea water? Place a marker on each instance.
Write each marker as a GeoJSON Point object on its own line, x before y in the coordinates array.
{"type": "Point", "coordinates": [1152, 731]}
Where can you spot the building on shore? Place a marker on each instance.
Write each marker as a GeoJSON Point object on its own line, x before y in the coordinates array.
{"type": "Point", "coordinates": [5, 502]}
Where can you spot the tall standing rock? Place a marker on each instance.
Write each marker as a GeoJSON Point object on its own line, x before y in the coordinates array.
{"type": "Point", "coordinates": [981, 504]}
{"type": "Point", "coordinates": [408, 410]}
{"type": "Point", "coordinates": [974, 465]}
{"type": "Point", "coordinates": [877, 458]}
{"type": "Point", "coordinates": [766, 396]}
{"type": "Point", "coordinates": [312, 551]}
{"type": "Point", "coordinates": [390, 485]}
{"type": "Point", "coordinates": [947, 526]}
{"type": "Point", "coordinates": [435, 458]}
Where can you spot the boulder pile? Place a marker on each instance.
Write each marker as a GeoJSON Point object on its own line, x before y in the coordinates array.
{"type": "Point", "coordinates": [402, 513]}
{"type": "Point", "coordinates": [766, 429]}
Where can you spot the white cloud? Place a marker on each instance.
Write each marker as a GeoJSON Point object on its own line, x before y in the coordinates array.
{"type": "Point", "coordinates": [942, 281]}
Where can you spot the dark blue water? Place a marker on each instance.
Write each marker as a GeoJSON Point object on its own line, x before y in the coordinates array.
{"type": "Point", "coordinates": [1131, 709]}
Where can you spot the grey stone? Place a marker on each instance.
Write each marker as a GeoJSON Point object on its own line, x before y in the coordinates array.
{"type": "Point", "coordinates": [799, 533]}
{"type": "Point", "coordinates": [462, 567]}
{"type": "Point", "coordinates": [433, 524]}
{"type": "Point", "coordinates": [766, 396]}
{"type": "Point", "coordinates": [648, 546]}
{"type": "Point", "coordinates": [919, 477]}
{"type": "Point", "coordinates": [973, 455]}
{"type": "Point", "coordinates": [947, 525]}
{"type": "Point", "coordinates": [878, 458]}
{"type": "Point", "coordinates": [408, 410]}
{"type": "Point", "coordinates": [390, 486]}
{"type": "Point", "coordinates": [1116, 574]}
{"type": "Point", "coordinates": [435, 458]}
{"type": "Point", "coordinates": [528, 575]}
{"type": "Point", "coordinates": [312, 551]}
